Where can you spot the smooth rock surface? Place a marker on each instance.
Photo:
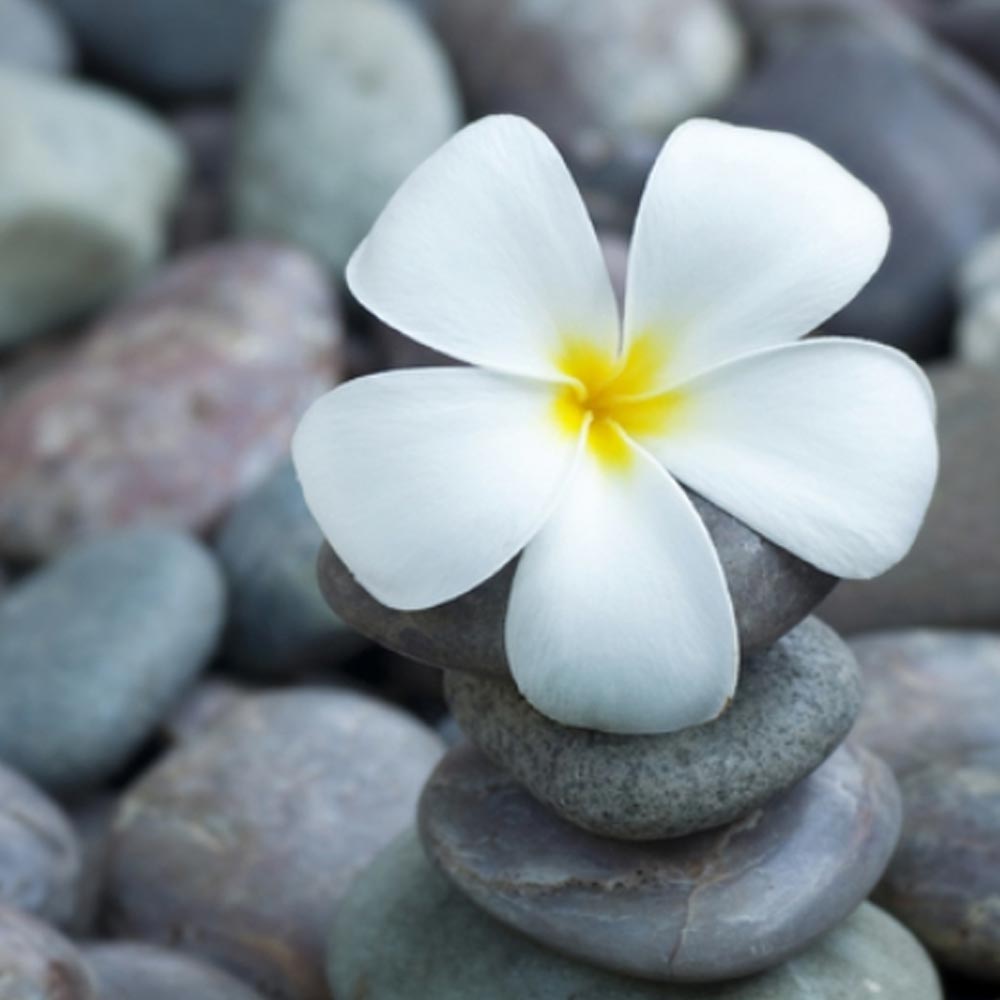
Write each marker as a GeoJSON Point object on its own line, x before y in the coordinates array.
{"type": "Point", "coordinates": [977, 333]}
{"type": "Point", "coordinates": [179, 402]}
{"type": "Point", "coordinates": [971, 26]}
{"type": "Point", "coordinates": [772, 591]}
{"type": "Point", "coordinates": [36, 963]}
{"type": "Point", "coordinates": [239, 845]}
{"type": "Point", "coordinates": [40, 864]}
{"type": "Point", "coordinates": [278, 620]}
{"type": "Point", "coordinates": [405, 933]}
{"type": "Point", "coordinates": [317, 172]}
{"type": "Point", "coordinates": [944, 881]}
{"type": "Point", "coordinates": [32, 37]}
{"type": "Point", "coordinates": [793, 706]}
{"type": "Point", "coordinates": [128, 971]}
{"type": "Point", "coordinates": [87, 179]}
{"type": "Point", "coordinates": [951, 578]}
{"type": "Point", "coordinates": [96, 648]}
{"type": "Point", "coordinates": [928, 694]}
{"type": "Point", "coordinates": [710, 907]}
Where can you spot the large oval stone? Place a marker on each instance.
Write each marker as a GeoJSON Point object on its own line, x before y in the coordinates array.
{"type": "Point", "coordinates": [175, 405]}
{"type": "Point", "coordinates": [405, 933]}
{"type": "Point", "coordinates": [36, 963]}
{"type": "Point", "coordinates": [239, 845]}
{"type": "Point", "coordinates": [793, 706]}
{"type": "Point", "coordinates": [944, 881]}
{"type": "Point", "coordinates": [771, 591]}
{"type": "Point", "coordinates": [708, 907]}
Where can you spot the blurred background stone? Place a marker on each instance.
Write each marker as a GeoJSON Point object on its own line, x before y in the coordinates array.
{"type": "Point", "coordinates": [33, 37]}
{"type": "Point", "coordinates": [40, 964]}
{"type": "Point", "coordinates": [977, 334]}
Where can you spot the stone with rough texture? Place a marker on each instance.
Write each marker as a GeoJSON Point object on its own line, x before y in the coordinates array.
{"type": "Point", "coordinates": [172, 407]}
{"type": "Point", "coordinates": [405, 933]}
{"type": "Point", "coordinates": [129, 971]}
{"type": "Point", "coordinates": [239, 845]}
{"type": "Point", "coordinates": [36, 963]}
{"type": "Point", "coordinates": [793, 707]}
{"type": "Point", "coordinates": [944, 881]}
{"type": "Point", "coordinates": [928, 694]}
{"type": "Point", "coordinates": [705, 908]}
{"type": "Point", "coordinates": [40, 862]}
{"type": "Point", "coordinates": [278, 620]}
{"type": "Point", "coordinates": [32, 37]}
{"type": "Point", "coordinates": [772, 591]}
{"type": "Point", "coordinates": [951, 577]}
{"type": "Point", "coordinates": [87, 179]}
{"type": "Point", "coordinates": [317, 172]}
{"type": "Point", "coordinates": [96, 647]}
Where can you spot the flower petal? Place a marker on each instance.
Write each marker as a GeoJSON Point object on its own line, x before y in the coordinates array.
{"type": "Point", "coordinates": [745, 239]}
{"type": "Point", "coordinates": [486, 253]}
{"type": "Point", "coordinates": [619, 617]}
{"type": "Point", "coordinates": [826, 447]}
{"type": "Point", "coordinates": [427, 482]}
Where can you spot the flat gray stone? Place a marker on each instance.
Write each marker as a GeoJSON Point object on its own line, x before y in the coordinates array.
{"type": "Point", "coordinates": [705, 908]}
{"type": "Point", "coordinates": [405, 933]}
{"type": "Point", "coordinates": [793, 706]}
{"type": "Point", "coordinates": [37, 963]}
{"type": "Point", "coordinates": [944, 880]}
{"type": "Point", "coordinates": [33, 37]}
{"type": "Point", "coordinates": [239, 844]}
{"type": "Point", "coordinates": [928, 694]}
{"type": "Point", "coordinates": [772, 591]}
{"type": "Point", "coordinates": [97, 647]}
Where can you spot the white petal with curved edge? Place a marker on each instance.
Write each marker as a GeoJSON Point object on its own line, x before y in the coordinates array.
{"type": "Point", "coordinates": [427, 482]}
{"type": "Point", "coordinates": [619, 615]}
{"type": "Point", "coordinates": [745, 239]}
{"type": "Point", "coordinates": [487, 254]}
{"type": "Point", "coordinates": [827, 447]}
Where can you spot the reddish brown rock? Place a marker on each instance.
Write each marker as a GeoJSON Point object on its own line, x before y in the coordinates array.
{"type": "Point", "coordinates": [172, 406]}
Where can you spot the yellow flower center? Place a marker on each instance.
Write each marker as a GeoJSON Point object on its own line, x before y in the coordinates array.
{"type": "Point", "coordinates": [616, 396]}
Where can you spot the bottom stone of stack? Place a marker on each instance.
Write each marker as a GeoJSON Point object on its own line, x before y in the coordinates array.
{"type": "Point", "coordinates": [405, 933]}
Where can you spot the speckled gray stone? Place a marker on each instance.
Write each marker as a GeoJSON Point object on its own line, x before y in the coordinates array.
{"type": "Point", "coordinates": [40, 862]}
{"type": "Point", "coordinates": [944, 881]}
{"type": "Point", "coordinates": [125, 970]}
{"type": "Point", "coordinates": [772, 591]}
{"type": "Point", "coordinates": [239, 844]}
{"type": "Point", "coordinates": [95, 649]}
{"type": "Point", "coordinates": [928, 694]}
{"type": "Point", "coordinates": [793, 706]}
{"type": "Point", "coordinates": [37, 963]}
{"type": "Point", "coordinates": [705, 908]}
{"type": "Point", "coordinates": [405, 933]}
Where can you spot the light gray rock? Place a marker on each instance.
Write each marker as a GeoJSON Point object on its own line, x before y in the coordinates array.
{"type": "Point", "coordinates": [346, 99]}
{"type": "Point", "coordinates": [32, 37]}
{"type": "Point", "coordinates": [36, 963]}
{"type": "Point", "coordinates": [405, 933]}
{"type": "Point", "coordinates": [86, 182]}
{"type": "Point", "coordinates": [239, 845]}
{"type": "Point", "coordinates": [793, 707]}
{"type": "Point", "coordinates": [705, 908]}
{"type": "Point", "coordinates": [977, 333]}
{"type": "Point", "coordinates": [96, 648]}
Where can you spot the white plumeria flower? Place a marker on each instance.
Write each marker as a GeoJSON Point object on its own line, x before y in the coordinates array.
{"type": "Point", "coordinates": [567, 441]}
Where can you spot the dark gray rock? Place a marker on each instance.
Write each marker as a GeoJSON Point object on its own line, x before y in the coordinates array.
{"type": "Point", "coordinates": [944, 881]}
{"type": "Point", "coordinates": [239, 845]}
{"type": "Point", "coordinates": [794, 705]}
{"type": "Point", "coordinates": [405, 933]}
{"type": "Point", "coordinates": [92, 818]}
{"type": "Point", "coordinates": [278, 620]}
{"type": "Point", "coordinates": [344, 102]}
{"type": "Point", "coordinates": [36, 963]}
{"type": "Point", "coordinates": [971, 26]}
{"type": "Point", "coordinates": [96, 648]}
{"type": "Point", "coordinates": [706, 908]}
{"type": "Point", "coordinates": [32, 37]}
{"type": "Point", "coordinates": [40, 863]}
{"type": "Point", "coordinates": [951, 578]}
{"type": "Point", "coordinates": [928, 694]}
{"type": "Point", "coordinates": [129, 971]}
{"type": "Point", "coordinates": [772, 591]}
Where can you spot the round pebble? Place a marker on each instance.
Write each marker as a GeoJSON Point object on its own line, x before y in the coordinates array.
{"type": "Point", "coordinates": [238, 845]}
{"type": "Point", "coordinates": [36, 963]}
{"type": "Point", "coordinates": [772, 591]}
{"type": "Point", "coordinates": [32, 37]}
{"type": "Point", "coordinates": [793, 706]}
{"type": "Point", "coordinates": [944, 881]}
{"type": "Point", "coordinates": [405, 933]}
{"type": "Point", "coordinates": [97, 647]}
{"type": "Point", "coordinates": [712, 906]}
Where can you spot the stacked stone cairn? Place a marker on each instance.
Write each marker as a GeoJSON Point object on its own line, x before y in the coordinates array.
{"type": "Point", "coordinates": [730, 860]}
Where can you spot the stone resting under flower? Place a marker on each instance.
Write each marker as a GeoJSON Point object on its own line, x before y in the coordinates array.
{"type": "Point", "coordinates": [568, 437]}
